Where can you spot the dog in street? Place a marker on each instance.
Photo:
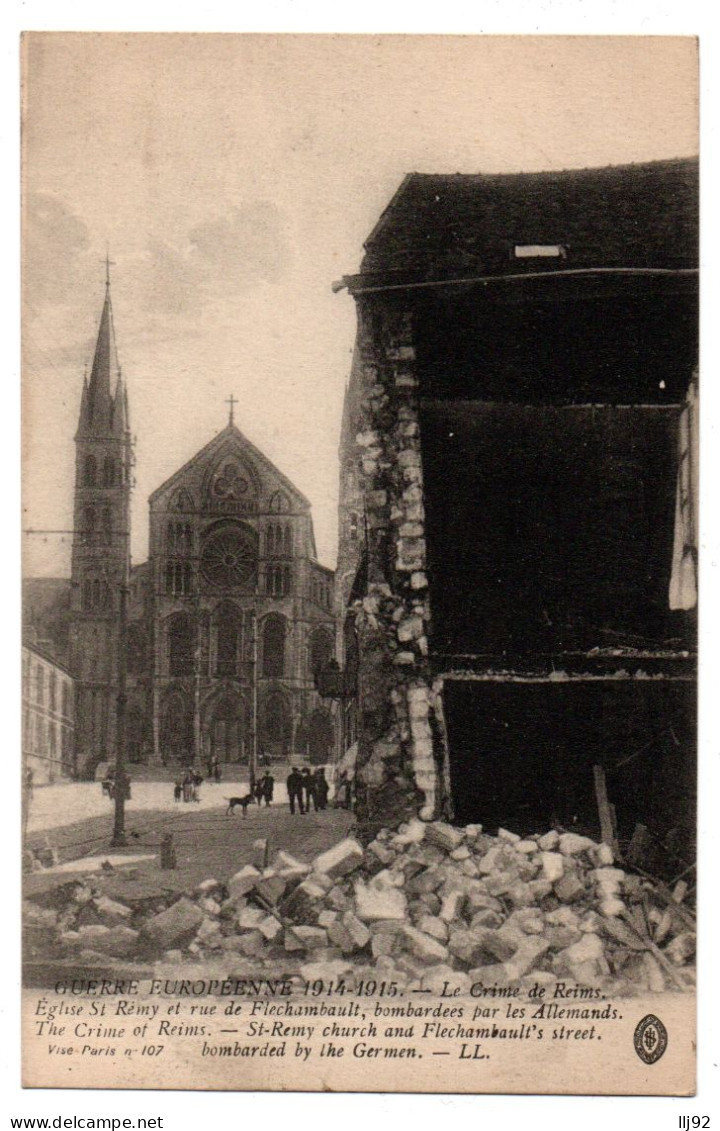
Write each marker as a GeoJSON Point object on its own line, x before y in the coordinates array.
{"type": "Point", "coordinates": [243, 802]}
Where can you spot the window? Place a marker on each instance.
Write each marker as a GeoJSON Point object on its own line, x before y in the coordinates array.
{"type": "Point", "coordinates": [179, 539]}
{"type": "Point", "coordinates": [274, 646]}
{"type": "Point", "coordinates": [321, 649]}
{"type": "Point", "coordinates": [279, 503]}
{"type": "Point", "coordinates": [52, 689]}
{"type": "Point", "coordinates": [90, 471]}
{"type": "Point", "coordinates": [88, 525]}
{"type": "Point", "coordinates": [95, 594]}
{"type": "Point", "coordinates": [110, 476]}
{"type": "Point", "coordinates": [278, 580]}
{"type": "Point", "coordinates": [107, 526]}
{"type": "Point", "coordinates": [178, 578]}
{"type": "Point", "coordinates": [66, 700]}
{"type": "Point", "coordinates": [229, 557]}
{"type": "Point", "coordinates": [353, 527]}
{"type": "Point", "coordinates": [229, 640]}
{"type": "Point", "coordinates": [180, 645]}
{"type": "Point", "coordinates": [39, 684]}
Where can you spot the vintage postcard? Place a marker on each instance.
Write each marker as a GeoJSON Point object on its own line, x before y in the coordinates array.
{"type": "Point", "coordinates": [360, 383]}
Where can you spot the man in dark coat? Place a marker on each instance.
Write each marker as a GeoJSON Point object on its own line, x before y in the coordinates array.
{"type": "Point", "coordinates": [308, 784]}
{"type": "Point", "coordinates": [295, 790]}
{"type": "Point", "coordinates": [268, 787]}
{"type": "Point", "coordinates": [321, 788]}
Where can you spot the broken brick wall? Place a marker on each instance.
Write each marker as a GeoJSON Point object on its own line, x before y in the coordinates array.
{"type": "Point", "coordinates": [402, 752]}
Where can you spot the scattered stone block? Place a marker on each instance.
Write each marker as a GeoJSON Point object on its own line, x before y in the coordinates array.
{"type": "Point", "coordinates": [443, 836]}
{"type": "Point", "coordinates": [373, 905]}
{"type": "Point", "coordinates": [305, 938]}
{"type": "Point", "coordinates": [424, 948]}
{"type": "Point", "coordinates": [339, 860]}
{"type": "Point", "coordinates": [570, 888]}
{"type": "Point", "coordinates": [571, 844]}
{"type": "Point", "coordinates": [553, 866]}
{"type": "Point", "coordinates": [433, 925]}
{"type": "Point", "coordinates": [271, 887]}
{"type": "Point", "coordinates": [270, 928]}
{"type": "Point", "coordinates": [549, 841]}
{"type": "Point", "coordinates": [111, 912]}
{"type": "Point", "coordinates": [119, 940]}
{"type": "Point", "coordinates": [243, 881]}
{"type": "Point", "coordinates": [681, 948]}
{"type": "Point", "coordinates": [173, 927]}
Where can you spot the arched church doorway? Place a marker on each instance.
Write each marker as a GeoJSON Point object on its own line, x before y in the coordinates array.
{"type": "Point", "coordinates": [176, 729]}
{"type": "Point", "coordinates": [228, 733]}
{"type": "Point", "coordinates": [319, 736]}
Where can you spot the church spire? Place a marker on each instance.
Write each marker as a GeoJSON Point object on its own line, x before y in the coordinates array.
{"type": "Point", "coordinates": [97, 408]}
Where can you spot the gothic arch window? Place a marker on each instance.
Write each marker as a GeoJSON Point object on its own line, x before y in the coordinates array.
{"type": "Point", "coordinates": [182, 500]}
{"type": "Point", "coordinates": [321, 650]}
{"type": "Point", "coordinates": [176, 729]}
{"type": "Point", "coordinates": [228, 619]}
{"type": "Point", "coordinates": [136, 649]}
{"type": "Point", "coordinates": [107, 526]}
{"type": "Point", "coordinates": [89, 471]}
{"type": "Point", "coordinates": [178, 566]}
{"type": "Point", "coordinates": [180, 645]}
{"type": "Point", "coordinates": [229, 556]}
{"type": "Point", "coordinates": [275, 727]}
{"type": "Point", "coordinates": [270, 541]}
{"type": "Point", "coordinates": [278, 580]}
{"type": "Point", "coordinates": [179, 538]}
{"type": "Point", "coordinates": [279, 503]}
{"type": "Point", "coordinates": [288, 541]}
{"type": "Point", "coordinates": [110, 475]}
{"type": "Point", "coordinates": [88, 525]}
{"type": "Point", "coordinates": [273, 640]}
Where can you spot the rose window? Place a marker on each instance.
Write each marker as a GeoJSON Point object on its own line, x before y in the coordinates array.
{"type": "Point", "coordinates": [230, 483]}
{"type": "Point", "coordinates": [229, 557]}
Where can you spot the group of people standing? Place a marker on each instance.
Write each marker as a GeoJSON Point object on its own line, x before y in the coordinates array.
{"type": "Point", "coordinates": [264, 789]}
{"type": "Point", "coordinates": [305, 788]}
{"type": "Point", "coordinates": [187, 786]}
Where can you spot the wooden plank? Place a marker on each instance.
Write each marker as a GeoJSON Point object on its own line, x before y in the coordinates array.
{"type": "Point", "coordinates": [607, 834]}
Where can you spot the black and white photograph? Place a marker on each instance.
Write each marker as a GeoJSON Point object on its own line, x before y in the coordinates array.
{"type": "Point", "coordinates": [360, 544]}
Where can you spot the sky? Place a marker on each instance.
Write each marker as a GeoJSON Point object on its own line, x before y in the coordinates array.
{"type": "Point", "coordinates": [233, 179]}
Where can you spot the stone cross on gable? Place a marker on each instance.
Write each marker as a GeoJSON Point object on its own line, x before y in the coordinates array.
{"type": "Point", "coordinates": [232, 402]}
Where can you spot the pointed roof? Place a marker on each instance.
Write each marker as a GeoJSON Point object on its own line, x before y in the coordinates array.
{"type": "Point", "coordinates": [98, 413]}
{"type": "Point", "coordinates": [231, 432]}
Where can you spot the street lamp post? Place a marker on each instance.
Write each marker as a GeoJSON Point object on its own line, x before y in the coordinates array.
{"type": "Point", "coordinates": [119, 840]}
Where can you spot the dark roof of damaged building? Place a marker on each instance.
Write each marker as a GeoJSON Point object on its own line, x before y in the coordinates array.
{"type": "Point", "coordinates": [460, 225]}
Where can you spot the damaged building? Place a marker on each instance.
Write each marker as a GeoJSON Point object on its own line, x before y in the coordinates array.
{"type": "Point", "coordinates": [517, 568]}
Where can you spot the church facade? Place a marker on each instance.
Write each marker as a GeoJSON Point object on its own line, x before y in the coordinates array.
{"type": "Point", "coordinates": [223, 628]}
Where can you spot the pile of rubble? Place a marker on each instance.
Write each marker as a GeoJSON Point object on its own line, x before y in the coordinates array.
{"type": "Point", "coordinates": [423, 904]}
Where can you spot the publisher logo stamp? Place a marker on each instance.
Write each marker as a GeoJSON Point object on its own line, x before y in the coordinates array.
{"type": "Point", "coordinates": [650, 1039]}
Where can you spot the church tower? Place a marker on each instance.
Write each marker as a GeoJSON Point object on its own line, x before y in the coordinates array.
{"type": "Point", "coordinates": [101, 547]}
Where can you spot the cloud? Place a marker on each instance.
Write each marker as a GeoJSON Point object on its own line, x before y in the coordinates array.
{"type": "Point", "coordinates": [248, 246]}
{"type": "Point", "coordinates": [56, 247]}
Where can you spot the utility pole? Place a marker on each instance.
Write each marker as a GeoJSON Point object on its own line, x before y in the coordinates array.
{"type": "Point", "coordinates": [119, 840]}
{"type": "Point", "coordinates": [254, 747]}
